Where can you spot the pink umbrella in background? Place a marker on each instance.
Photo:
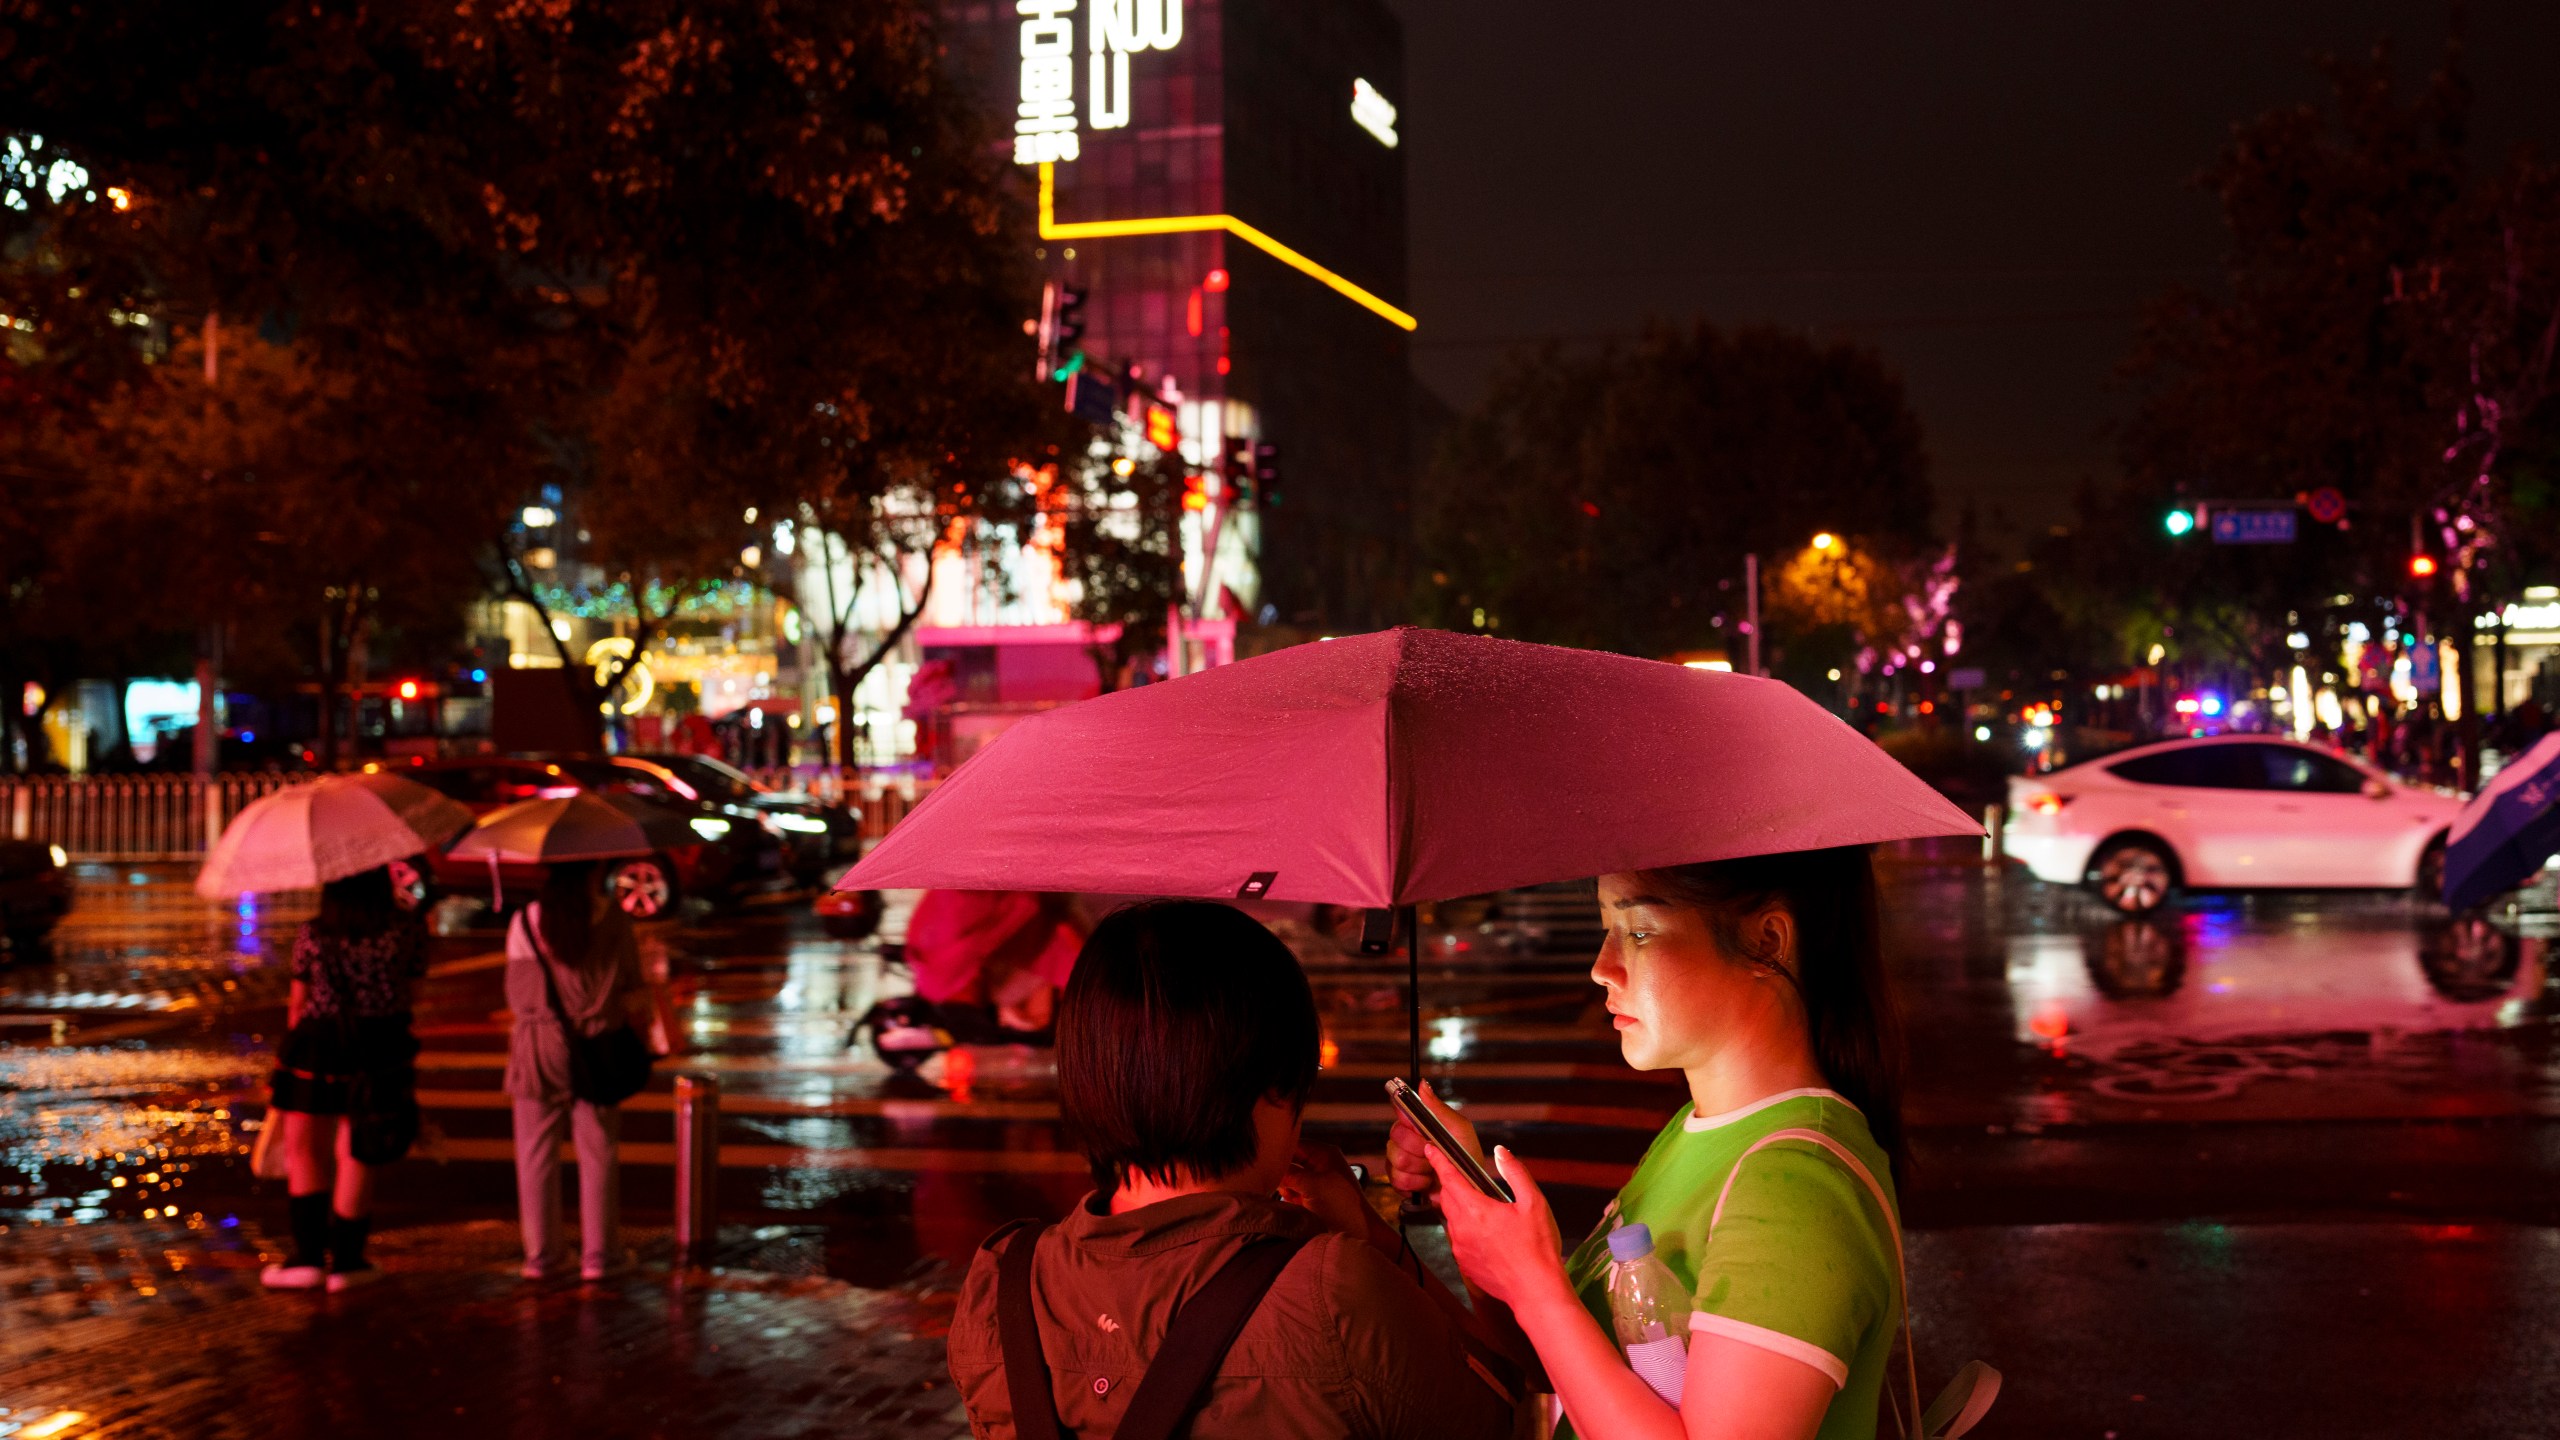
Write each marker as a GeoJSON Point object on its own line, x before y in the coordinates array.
{"type": "Point", "coordinates": [304, 836]}
{"type": "Point", "coordinates": [1408, 765]}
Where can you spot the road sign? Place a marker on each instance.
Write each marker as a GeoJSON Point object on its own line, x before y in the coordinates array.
{"type": "Point", "coordinates": [1092, 398]}
{"type": "Point", "coordinates": [2326, 505]}
{"type": "Point", "coordinates": [2253, 527]}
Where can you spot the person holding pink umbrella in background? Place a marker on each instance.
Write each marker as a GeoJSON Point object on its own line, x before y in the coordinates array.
{"type": "Point", "coordinates": [343, 1095]}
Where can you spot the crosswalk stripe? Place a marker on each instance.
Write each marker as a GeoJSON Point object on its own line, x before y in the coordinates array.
{"type": "Point", "coordinates": [1594, 1174]}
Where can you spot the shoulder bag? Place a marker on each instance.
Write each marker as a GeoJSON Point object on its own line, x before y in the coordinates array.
{"type": "Point", "coordinates": [604, 1069]}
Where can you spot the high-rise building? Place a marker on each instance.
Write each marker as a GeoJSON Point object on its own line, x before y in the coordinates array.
{"type": "Point", "coordinates": [1221, 179]}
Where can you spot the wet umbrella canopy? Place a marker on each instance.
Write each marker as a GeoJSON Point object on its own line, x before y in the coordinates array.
{"type": "Point", "coordinates": [575, 827]}
{"type": "Point", "coordinates": [1404, 766]}
{"type": "Point", "coordinates": [339, 825]}
{"type": "Point", "coordinates": [2508, 830]}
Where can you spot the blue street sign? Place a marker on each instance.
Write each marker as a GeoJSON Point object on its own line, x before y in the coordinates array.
{"type": "Point", "coordinates": [2253, 527]}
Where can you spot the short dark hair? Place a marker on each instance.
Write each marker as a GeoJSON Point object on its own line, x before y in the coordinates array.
{"type": "Point", "coordinates": [1180, 1016]}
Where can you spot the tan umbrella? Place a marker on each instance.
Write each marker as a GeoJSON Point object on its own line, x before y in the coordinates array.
{"type": "Point", "coordinates": [576, 827]}
{"type": "Point", "coordinates": [573, 827]}
{"type": "Point", "coordinates": [304, 836]}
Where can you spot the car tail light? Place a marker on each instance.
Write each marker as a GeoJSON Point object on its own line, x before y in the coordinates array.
{"type": "Point", "coordinates": [2045, 802]}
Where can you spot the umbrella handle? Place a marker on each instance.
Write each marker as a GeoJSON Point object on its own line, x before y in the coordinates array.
{"type": "Point", "coordinates": [497, 896]}
{"type": "Point", "coordinates": [1413, 991]}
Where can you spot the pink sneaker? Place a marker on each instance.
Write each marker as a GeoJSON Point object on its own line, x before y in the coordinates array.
{"type": "Point", "coordinates": [293, 1277]}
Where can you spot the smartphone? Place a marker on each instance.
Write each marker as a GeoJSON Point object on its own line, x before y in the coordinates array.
{"type": "Point", "coordinates": [1410, 1104]}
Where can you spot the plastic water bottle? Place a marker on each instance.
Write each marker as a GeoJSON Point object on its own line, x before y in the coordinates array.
{"type": "Point", "coordinates": [1650, 1308]}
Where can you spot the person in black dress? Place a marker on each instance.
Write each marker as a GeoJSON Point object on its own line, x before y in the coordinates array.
{"type": "Point", "coordinates": [345, 1082]}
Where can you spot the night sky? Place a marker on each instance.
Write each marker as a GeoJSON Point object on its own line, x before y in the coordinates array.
{"type": "Point", "coordinates": [1986, 193]}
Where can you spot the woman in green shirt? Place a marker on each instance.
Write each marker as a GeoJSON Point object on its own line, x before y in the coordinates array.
{"type": "Point", "coordinates": [1759, 980]}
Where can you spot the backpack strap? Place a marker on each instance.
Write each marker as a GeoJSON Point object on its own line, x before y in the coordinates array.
{"type": "Point", "coordinates": [1893, 1227]}
{"type": "Point", "coordinates": [1196, 1342]}
{"type": "Point", "coordinates": [1177, 1380]}
{"type": "Point", "coordinates": [1026, 1370]}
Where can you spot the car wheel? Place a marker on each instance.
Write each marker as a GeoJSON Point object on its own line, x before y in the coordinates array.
{"type": "Point", "coordinates": [645, 889]}
{"type": "Point", "coordinates": [2431, 872]}
{"type": "Point", "coordinates": [2135, 877]}
{"type": "Point", "coordinates": [409, 888]}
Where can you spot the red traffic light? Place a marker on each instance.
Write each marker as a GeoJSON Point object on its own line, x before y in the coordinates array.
{"type": "Point", "coordinates": [2422, 566]}
{"type": "Point", "coordinates": [408, 689]}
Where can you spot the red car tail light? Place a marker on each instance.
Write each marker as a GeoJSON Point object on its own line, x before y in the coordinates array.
{"type": "Point", "coordinates": [2046, 802]}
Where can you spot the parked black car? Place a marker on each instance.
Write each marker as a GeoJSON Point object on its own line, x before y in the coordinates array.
{"type": "Point", "coordinates": [815, 833]}
{"type": "Point", "coordinates": [35, 891]}
{"type": "Point", "coordinates": [739, 850]}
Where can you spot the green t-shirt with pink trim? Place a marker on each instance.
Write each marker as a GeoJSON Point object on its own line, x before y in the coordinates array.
{"type": "Point", "coordinates": [1802, 1262]}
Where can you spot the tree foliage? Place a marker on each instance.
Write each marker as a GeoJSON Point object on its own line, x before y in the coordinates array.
{"type": "Point", "coordinates": [2386, 328]}
{"type": "Point", "coordinates": [1609, 500]}
{"type": "Point", "coordinates": [679, 260]}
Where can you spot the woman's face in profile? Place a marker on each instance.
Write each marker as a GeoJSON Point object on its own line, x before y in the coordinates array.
{"type": "Point", "coordinates": [1674, 994]}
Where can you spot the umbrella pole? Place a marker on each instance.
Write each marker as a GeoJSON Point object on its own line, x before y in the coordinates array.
{"type": "Point", "coordinates": [1413, 992]}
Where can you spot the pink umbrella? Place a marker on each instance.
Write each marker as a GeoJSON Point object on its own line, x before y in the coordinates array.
{"type": "Point", "coordinates": [1407, 765]}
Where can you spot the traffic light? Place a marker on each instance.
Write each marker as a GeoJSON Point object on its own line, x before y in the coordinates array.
{"type": "Point", "coordinates": [1195, 490]}
{"type": "Point", "coordinates": [2178, 521]}
{"type": "Point", "coordinates": [2422, 566]}
{"type": "Point", "coordinates": [1266, 472]}
{"type": "Point", "coordinates": [1235, 468]}
{"type": "Point", "coordinates": [1163, 431]}
{"type": "Point", "coordinates": [1061, 329]}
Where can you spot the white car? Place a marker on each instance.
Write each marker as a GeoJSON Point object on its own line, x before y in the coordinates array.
{"type": "Point", "coordinates": [2236, 811]}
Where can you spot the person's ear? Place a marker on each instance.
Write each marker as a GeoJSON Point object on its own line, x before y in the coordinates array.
{"type": "Point", "coordinates": [1773, 938]}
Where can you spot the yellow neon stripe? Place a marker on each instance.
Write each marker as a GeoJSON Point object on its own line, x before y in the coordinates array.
{"type": "Point", "coordinates": [1050, 229]}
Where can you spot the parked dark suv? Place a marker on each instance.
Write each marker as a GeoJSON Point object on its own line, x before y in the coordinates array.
{"type": "Point", "coordinates": [35, 891]}
{"type": "Point", "coordinates": [737, 852]}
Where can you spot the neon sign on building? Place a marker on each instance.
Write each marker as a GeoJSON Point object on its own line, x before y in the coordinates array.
{"type": "Point", "coordinates": [1044, 127]}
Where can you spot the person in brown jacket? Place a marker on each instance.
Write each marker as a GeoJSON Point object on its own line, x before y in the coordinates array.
{"type": "Point", "coordinates": [1187, 1042]}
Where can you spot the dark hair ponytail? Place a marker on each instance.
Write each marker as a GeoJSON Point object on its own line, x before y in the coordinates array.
{"type": "Point", "coordinates": [568, 890]}
{"type": "Point", "coordinates": [1839, 971]}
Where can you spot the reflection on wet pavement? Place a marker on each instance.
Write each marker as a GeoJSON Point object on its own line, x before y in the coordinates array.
{"type": "Point", "coordinates": [2028, 1008]}
{"type": "Point", "coordinates": [2378, 997]}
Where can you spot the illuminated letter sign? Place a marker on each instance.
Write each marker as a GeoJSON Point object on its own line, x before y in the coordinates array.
{"type": "Point", "coordinates": [1373, 112]}
{"type": "Point", "coordinates": [1118, 30]}
{"type": "Point", "coordinates": [1044, 126]}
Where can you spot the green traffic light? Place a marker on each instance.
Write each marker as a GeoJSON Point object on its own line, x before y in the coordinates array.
{"type": "Point", "coordinates": [2179, 522]}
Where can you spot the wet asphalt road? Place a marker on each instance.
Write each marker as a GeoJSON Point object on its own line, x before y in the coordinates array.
{"type": "Point", "coordinates": [2271, 1165]}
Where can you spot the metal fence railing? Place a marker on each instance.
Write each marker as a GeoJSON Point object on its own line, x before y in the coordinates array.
{"type": "Point", "coordinates": [130, 817]}
{"type": "Point", "coordinates": [173, 817]}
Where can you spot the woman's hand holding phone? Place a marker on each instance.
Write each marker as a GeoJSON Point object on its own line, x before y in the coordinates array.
{"type": "Point", "coordinates": [1510, 1250]}
{"type": "Point", "coordinates": [1406, 1166]}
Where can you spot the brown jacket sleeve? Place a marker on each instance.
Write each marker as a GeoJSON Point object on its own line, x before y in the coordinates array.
{"type": "Point", "coordinates": [975, 1354]}
{"type": "Point", "coordinates": [1407, 1365]}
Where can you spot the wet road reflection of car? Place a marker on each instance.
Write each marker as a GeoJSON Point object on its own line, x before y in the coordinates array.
{"type": "Point", "coordinates": [2228, 812]}
{"type": "Point", "coordinates": [739, 850]}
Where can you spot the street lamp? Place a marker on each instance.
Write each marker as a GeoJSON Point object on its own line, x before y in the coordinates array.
{"type": "Point", "coordinates": [1825, 541]}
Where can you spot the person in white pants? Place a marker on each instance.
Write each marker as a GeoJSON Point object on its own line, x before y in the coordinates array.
{"type": "Point", "coordinates": [587, 944]}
